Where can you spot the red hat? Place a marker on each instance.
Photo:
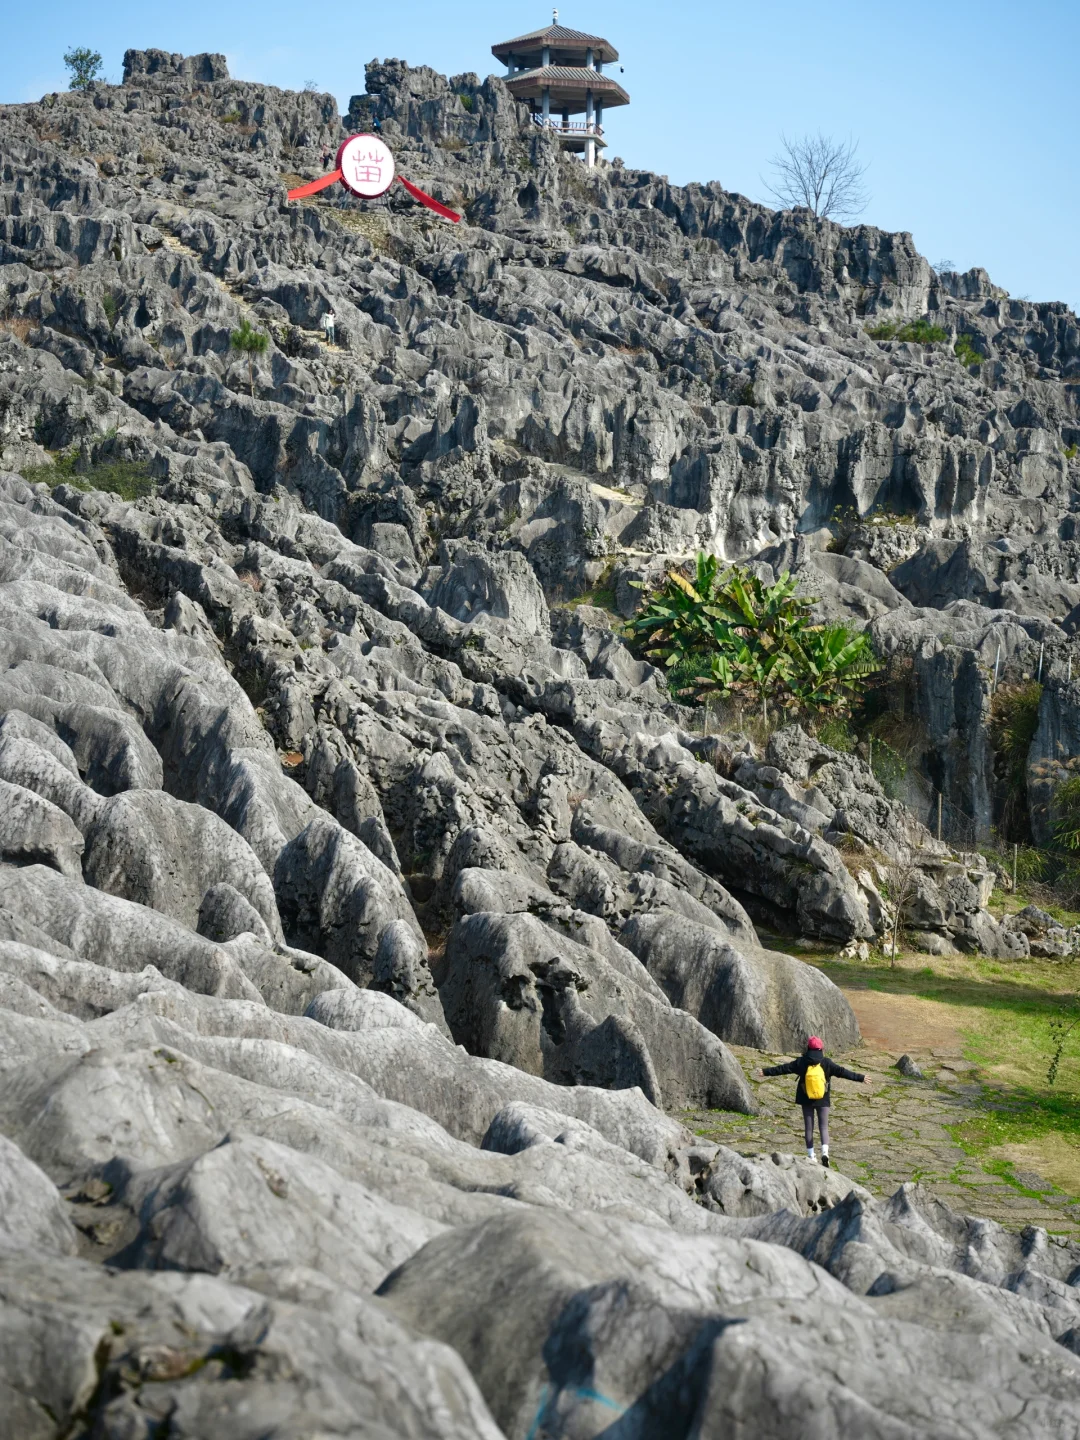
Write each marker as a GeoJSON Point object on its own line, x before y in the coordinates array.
{"type": "Point", "coordinates": [815, 1043]}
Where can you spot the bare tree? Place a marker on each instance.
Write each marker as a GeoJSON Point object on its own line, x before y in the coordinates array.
{"type": "Point", "coordinates": [903, 874]}
{"type": "Point", "coordinates": [821, 173]}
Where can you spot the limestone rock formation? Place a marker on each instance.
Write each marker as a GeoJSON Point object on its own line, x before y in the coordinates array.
{"type": "Point", "coordinates": [368, 912]}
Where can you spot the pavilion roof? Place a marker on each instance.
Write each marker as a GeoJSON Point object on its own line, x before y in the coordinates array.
{"type": "Point", "coordinates": [558, 37]}
{"type": "Point", "coordinates": [566, 82]}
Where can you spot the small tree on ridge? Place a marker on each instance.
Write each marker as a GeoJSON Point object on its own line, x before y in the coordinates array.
{"type": "Point", "coordinates": [84, 65]}
{"type": "Point", "coordinates": [250, 342]}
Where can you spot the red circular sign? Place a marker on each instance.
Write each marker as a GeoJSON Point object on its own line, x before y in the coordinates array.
{"type": "Point", "coordinates": [366, 165]}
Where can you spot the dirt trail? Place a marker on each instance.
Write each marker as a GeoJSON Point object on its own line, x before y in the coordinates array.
{"type": "Point", "coordinates": [906, 1022]}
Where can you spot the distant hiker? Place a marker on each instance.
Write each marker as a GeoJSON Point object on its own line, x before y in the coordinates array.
{"type": "Point", "coordinates": [329, 325]}
{"type": "Point", "coordinates": [376, 126]}
{"type": "Point", "coordinates": [815, 1071]}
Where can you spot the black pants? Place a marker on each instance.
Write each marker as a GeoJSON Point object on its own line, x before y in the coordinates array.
{"type": "Point", "coordinates": [821, 1110]}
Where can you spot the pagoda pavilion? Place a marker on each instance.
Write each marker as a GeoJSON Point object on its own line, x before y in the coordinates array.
{"type": "Point", "coordinates": [559, 72]}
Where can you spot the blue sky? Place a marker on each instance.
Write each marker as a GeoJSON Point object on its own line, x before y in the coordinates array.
{"type": "Point", "coordinates": [965, 111]}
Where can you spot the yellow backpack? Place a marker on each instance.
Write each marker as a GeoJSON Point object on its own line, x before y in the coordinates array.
{"type": "Point", "coordinates": [814, 1082]}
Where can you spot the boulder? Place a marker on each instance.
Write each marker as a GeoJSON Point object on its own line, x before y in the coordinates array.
{"type": "Point", "coordinates": [336, 898]}
{"type": "Point", "coordinates": [35, 831]}
{"type": "Point", "coordinates": [515, 990]}
{"type": "Point", "coordinates": [248, 1204]}
{"type": "Point", "coordinates": [745, 996]}
{"type": "Point", "coordinates": [161, 852]}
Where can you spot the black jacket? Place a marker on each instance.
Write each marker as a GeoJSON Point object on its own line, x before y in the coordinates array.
{"type": "Point", "coordinates": [799, 1067]}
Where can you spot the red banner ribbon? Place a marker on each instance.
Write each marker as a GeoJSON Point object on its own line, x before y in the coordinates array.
{"type": "Point", "coordinates": [418, 194]}
{"type": "Point", "coordinates": [314, 186]}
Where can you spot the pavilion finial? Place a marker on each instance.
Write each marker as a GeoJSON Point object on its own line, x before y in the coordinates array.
{"type": "Point", "coordinates": [554, 17]}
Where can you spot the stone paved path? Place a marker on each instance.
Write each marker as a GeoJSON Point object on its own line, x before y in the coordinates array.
{"type": "Point", "coordinates": [894, 1130]}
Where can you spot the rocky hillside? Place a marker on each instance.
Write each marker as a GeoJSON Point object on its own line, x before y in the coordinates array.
{"type": "Point", "coordinates": [368, 913]}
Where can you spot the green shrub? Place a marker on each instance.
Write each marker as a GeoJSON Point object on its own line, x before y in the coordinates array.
{"type": "Point", "coordinates": [922, 332]}
{"type": "Point", "coordinates": [888, 766]}
{"type": "Point", "coordinates": [1030, 864]}
{"type": "Point", "coordinates": [111, 308]}
{"type": "Point", "coordinates": [746, 394]}
{"type": "Point", "coordinates": [84, 67]}
{"type": "Point", "coordinates": [965, 351]}
{"type": "Point", "coordinates": [249, 342]}
{"type": "Point", "coordinates": [1071, 452]}
{"type": "Point", "coordinates": [1014, 718]}
{"type": "Point", "coordinates": [127, 479]}
{"type": "Point", "coordinates": [467, 102]}
{"type": "Point", "coordinates": [837, 734]}
{"type": "Point", "coordinates": [919, 332]}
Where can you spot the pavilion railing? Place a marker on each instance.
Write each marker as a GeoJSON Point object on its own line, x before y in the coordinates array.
{"type": "Point", "coordinates": [567, 127]}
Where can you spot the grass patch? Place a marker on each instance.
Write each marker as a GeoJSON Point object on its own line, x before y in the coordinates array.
{"type": "Point", "coordinates": [127, 479]}
{"type": "Point", "coordinates": [603, 598]}
{"type": "Point", "coordinates": [1005, 1012]}
{"type": "Point", "coordinates": [966, 352]}
{"type": "Point", "coordinates": [917, 332]}
{"type": "Point", "coordinates": [837, 734]}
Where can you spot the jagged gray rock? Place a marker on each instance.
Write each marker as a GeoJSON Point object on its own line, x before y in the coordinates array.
{"type": "Point", "coordinates": [517, 991]}
{"type": "Point", "coordinates": [746, 996]}
{"type": "Point", "coordinates": [328, 681]}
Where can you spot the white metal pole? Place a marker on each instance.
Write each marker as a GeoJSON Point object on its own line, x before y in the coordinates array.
{"type": "Point", "coordinates": [1039, 676]}
{"type": "Point", "coordinates": [997, 667]}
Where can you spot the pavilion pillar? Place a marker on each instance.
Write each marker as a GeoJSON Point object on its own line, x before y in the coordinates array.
{"type": "Point", "coordinates": [589, 59]}
{"type": "Point", "coordinates": [545, 58]}
{"type": "Point", "coordinates": [547, 103]}
{"type": "Point", "coordinates": [590, 120]}
{"type": "Point", "coordinates": [599, 116]}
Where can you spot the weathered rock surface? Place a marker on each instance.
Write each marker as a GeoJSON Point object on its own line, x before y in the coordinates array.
{"type": "Point", "coordinates": [367, 911]}
{"type": "Point", "coordinates": [746, 996]}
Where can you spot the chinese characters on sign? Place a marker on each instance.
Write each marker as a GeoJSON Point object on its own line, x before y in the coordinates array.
{"type": "Point", "coordinates": [366, 165]}
{"type": "Point", "coordinates": [366, 168]}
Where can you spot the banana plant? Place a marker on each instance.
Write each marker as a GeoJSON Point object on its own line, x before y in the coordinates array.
{"type": "Point", "coordinates": [725, 632]}
{"type": "Point", "coordinates": [828, 664]}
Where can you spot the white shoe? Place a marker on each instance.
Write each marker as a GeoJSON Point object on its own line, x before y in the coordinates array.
{"type": "Point", "coordinates": [810, 1155]}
